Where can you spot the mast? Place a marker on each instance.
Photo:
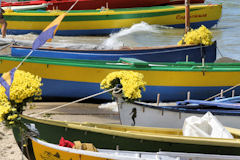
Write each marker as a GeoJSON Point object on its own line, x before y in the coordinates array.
{"type": "Point", "coordinates": [187, 15]}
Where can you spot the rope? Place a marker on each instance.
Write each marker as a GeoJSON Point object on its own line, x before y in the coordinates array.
{"type": "Point", "coordinates": [72, 6]}
{"type": "Point", "coordinates": [219, 52]}
{"type": "Point", "coordinates": [222, 92]}
{"type": "Point", "coordinates": [94, 95]}
{"type": "Point", "coordinates": [24, 59]}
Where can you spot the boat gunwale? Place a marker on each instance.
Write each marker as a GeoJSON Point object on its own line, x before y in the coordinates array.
{"type": "Point", "coordinates": [121, 49]}
{"type": "Point", "coordinates": [110, 12]}
{"type": "Point", "coordinates": [163, 138]}
{"type": "Point", "coordinates": [177, 108]}
{"type": "Point", "coordinates": [151, 66]}
{"type": "Point", "coordinates": [80, 151]}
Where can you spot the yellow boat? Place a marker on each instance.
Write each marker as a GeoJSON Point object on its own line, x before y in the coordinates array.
{"type": "Point", "coordinates": [47, 151]}
{"type": "Point", "coordinates": [44, 150]}
{"type": "Point", "coordinates": [100, 22]}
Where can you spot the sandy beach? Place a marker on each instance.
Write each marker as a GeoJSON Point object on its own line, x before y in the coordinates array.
{"type": "Point", "coordinates": [9, 149]}
{"type": "Point", "coordinates": [79, 112]}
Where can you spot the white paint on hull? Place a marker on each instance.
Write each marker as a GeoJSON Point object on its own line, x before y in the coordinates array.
{"type": "Point", "coordinates": [27, 7]}
{"type": "Point", "coordinates": [152, 117]}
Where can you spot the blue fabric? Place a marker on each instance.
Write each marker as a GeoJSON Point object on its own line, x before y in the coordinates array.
{"type": "Point", "coordinates": [43, 37]}
{"type": "Point", "coordinates": [5, 84]}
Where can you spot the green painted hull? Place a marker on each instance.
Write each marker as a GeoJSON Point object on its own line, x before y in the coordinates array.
{"type": "Point", "coordinates": [52, 133]}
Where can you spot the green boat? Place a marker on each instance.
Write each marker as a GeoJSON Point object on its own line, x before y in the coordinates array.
{"type": "Point", "coordinates": [112, 136]}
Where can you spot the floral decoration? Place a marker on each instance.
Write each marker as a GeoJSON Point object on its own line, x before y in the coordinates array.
{"type": "Point", "coordinates": [202, 35]}
{"type": "Point", "coordinates": [25, 88]}
{"type": "Point", "coordinates": [132, 83]}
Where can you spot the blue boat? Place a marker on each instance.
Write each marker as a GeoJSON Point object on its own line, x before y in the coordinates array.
{"type": "Point", "coordinates": [225, 103]}
{"type": "Point", "coordinates": [174, 53]}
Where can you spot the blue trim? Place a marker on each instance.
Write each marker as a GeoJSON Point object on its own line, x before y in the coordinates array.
{"type": "Point", "coordinates": [68, 32]}
{"type": "Point", "coordinates": [195, 109]}
{"type": "Point", "coordinates": [172, 54]}
{"type": "Point", "coordinates": [208, 24]}
{"type": "Point", "coordinates": [195, 25]}
{"type": "Point", "coordinates": [57, 88]}
{"type": "Point", "coordinates": [226, 105]}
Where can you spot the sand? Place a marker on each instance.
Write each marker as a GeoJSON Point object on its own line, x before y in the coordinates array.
{"type": "Point", "coordinates": [80, 112]}
{"type": "Point", "coordinates": [9, 149]}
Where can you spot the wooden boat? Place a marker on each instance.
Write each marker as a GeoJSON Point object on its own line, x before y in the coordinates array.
{"type": "Point", "coordinates": [108, 136]}
{"type": "Point", "coordinates": [164, 115]}
{"type": "Point", "coordinates": [21, 3]}
{"type": "Point", "coordinates": [182, 2]}
{"type": "Point", "coordinates": [96, 4]}
{"type": "Point", "coordinates": [106, 21]}
{"type": "Point", "coordinates": [40, 149]}
{"type": "Point", "coordinates": [81, 78]}
{"type": "Point", "coordinates": [175, 53]}
{"type": "Point", "coordinates": [27, 7]}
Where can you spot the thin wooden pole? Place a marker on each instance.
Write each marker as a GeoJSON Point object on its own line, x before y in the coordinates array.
{"type": "Point", "coordinates": [221, 93]}
{"type": "Point", "coordinates": [188, 95]}
{"type": "Point", "coordinates": [158, 99]}
{"type": "Point", "coordinates": [186, 58]}
{"type": "Point", "coordinates": [187, 15]}
{"type": "Point", "coordinates": [233, 93]}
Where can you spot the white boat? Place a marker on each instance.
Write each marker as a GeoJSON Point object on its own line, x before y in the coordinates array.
{"type": "Point", "coordinates": [27, 7]}
{"type": "Point", "coordinates": [173, 115]}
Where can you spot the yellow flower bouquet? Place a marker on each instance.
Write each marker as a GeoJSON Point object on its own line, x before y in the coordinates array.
{"type": "Point", "coordinates": [24, 88]}
{"type": "Point", "coordinates": [132, 83]}
{"type": "Point", "coordinates": [198, 36]}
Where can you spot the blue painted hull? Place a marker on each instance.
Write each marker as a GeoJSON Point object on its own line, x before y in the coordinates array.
{"type": "Point", "coordinates": [208, 24]}
{"type": "Point", "coordinates": [169, 54]}
{"type": "Point", "coordinates": [57, 89]}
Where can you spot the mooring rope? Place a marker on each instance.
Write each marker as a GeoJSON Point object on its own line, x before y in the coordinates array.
{"type": "Point", "coordinates": [222, 92]}
{"type": "Point", "coordinates": [94, 95]}
{"type": "Point", "coordinates": [219, 52]}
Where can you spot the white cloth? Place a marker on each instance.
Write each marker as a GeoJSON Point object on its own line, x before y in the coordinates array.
{"type": "Point", "coordinates": [206, 126]}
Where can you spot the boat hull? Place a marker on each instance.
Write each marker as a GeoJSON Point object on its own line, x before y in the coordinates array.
{"type": "Point", "coordinates": [41, 149]}
{"type": "Point", "coordinates": [79, 78]}
{"type": "Point", "coordinates": [44, 150]}
{"type": "Point", "coordinates": [53, 88]}
{"type": "Point", "coordinates": [97, 22]}
{"type": "Point", "coordinates": [95, 4]}
{"type": "Point", "coordinates": [170, 116]}
{"type": "Point", "coordinates": [129, 141]}
{"type": "Point", "coordinates": [28, 7]}
{"type": "Point", "coordinates": [164, 54]}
